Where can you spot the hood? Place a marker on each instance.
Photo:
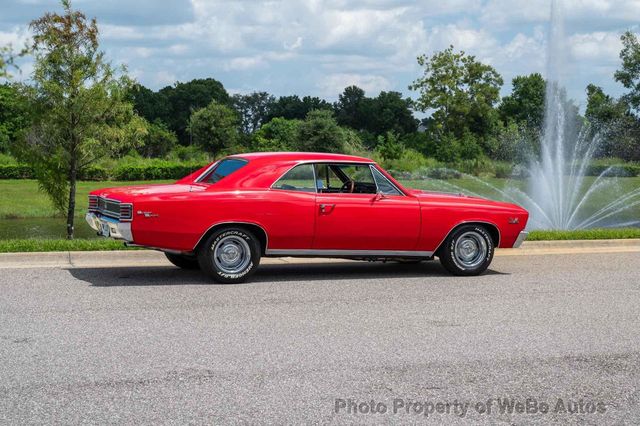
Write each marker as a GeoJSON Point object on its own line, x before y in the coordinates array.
{"type": "Point", "coordinates": [462, 199]}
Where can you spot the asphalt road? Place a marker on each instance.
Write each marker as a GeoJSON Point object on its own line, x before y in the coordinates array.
{"type": "Point", "coordinates": [161, 345]}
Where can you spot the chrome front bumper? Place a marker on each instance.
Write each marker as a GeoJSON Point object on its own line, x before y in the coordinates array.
{"type": "Point", "coordinates": [114, 228]}
{"type": "Point", "coordinates": [523, 236]}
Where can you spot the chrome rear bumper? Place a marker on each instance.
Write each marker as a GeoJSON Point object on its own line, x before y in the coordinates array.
{"type": "Point", "coordinates": [114, 228]}
{"type": "Point", "coordinates": [523, 236]}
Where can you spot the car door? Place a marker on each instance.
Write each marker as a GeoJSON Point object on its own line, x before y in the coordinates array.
{"type": "Point", "coordinates": [365, 215]}
{"type": "Point", "coordinates": [289, 212]}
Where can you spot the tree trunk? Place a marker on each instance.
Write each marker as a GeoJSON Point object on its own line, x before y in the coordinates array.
{"type": "Point", "coordinates": [73, 174]}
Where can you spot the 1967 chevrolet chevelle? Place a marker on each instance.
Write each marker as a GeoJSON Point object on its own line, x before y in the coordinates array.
{"type": "Point", "coordinates": [226, 216]}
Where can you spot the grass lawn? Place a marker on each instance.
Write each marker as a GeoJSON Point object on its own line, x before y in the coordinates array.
{"type": "Point", "coordinates": [79, 244]}
{"type": "Point", "coordinates": [21, 198]}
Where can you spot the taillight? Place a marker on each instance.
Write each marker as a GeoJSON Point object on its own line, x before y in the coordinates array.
{"type": "Point", "coordinates": [126, 211]}
{"type": "Point", "coordinates": [93, 202]}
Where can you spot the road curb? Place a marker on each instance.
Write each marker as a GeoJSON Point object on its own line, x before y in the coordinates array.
{"type": "Point", "coordinates": [79, 259]}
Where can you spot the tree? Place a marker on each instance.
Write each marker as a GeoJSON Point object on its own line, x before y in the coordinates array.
{"type": "Point", "coordinates": [173, 105]}
{"type": "Point", "coordinates": [319, 132]}
{"type": "Point", "coordinates": [80, 110]}
{"type": "Point", "coordinates": [390, 112]}
{"type": "Point", "coordinates": [158, 141]}
{"type": "Point", "coordinates": [389, 147]}
{"type": "Point", "coordinates": [629, 74]}
{"type": "Point", "coordinates": [215, 127]}
{"type": "Point", "coordinates": [278, 134]}
{"type": "Point", "coordinates": [184, 98]}
{"type": "Point", "coordinates": [253, 109]}
{"type": "Point", "coordinates": [350, 108]}
{"type": "Point", "coordinates": [525, 104]}
{"type": "Point", "coordinates": [14, 114]}
{"type": "Point", "coordinates": [7, 60]}
{"type": "Point", "coordinates": [616, 127]}
{"type": "Point", "coordinates": [292, 107]}
{"type": "Point", "coordinates": [152, 106]}
{"type": "Point", "coordinates": [461, 92]}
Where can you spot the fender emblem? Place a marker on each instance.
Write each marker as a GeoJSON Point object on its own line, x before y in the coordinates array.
{"type": "Point", "coordinates": [514, 220]}
{"type": "Point", "coordinates": [147, 214]}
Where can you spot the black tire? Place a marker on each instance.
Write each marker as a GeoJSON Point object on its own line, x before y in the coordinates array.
{"type": "Point", "coordinates": [236, 243]}
{"type": "Point", "coordinates": [183, 261]}
{"type": "Point", "coordinates": [463, 243]}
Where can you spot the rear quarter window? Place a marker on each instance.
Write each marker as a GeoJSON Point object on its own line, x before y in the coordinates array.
{"type": "Point", "coordinates": [223, 169]}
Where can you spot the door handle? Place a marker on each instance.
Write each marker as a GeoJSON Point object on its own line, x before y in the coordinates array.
{"type": "Point", "coordinates": [326, 208]}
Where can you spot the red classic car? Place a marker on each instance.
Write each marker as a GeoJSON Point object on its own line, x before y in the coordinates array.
{"type": "Point", "coordinates": [226, 216]}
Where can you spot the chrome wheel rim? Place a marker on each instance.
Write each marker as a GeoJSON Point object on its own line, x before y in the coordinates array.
{"type": "Point", "coordinates": [232, 254]}
{"type": "Point", "coordinates": [470, 249]}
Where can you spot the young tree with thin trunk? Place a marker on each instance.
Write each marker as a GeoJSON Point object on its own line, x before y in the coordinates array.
{"type": "Point", "coordinates": [81, 111]}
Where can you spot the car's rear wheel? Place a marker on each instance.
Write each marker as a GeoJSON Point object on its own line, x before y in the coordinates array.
{"type": "Point", "coordinates": [183, 261]}
{"type": "Point", "coordinates": [467, 251]}
{"type": "Point", "coordinates": [230, 255]}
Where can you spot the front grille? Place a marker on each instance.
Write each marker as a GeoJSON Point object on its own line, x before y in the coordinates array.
{"type": "Point", "coordinates": [111, 208]}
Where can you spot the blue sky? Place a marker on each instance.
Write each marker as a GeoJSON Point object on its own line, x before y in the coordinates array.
{"type": "Point", "coordinates": [317, 47]}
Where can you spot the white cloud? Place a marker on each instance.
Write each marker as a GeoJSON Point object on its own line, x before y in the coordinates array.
{"type": "Point", "coordinates": [295, 45]}
{"type": "Point", "coordinates": [163, 78]}
{"type": "Point", "coordinates": [318, 47]}
{"type": "Point", "coordinates": [245, 63]}
{"type": "Point", "coordinates": [17, 37]}
{"type": "Point", "coordinates": [597, 46]}
{"type": "Point", "coordinates": [515, 12]}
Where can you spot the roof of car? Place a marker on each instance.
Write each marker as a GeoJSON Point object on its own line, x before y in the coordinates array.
{"type": "Point", "coordinates": [301, 156]}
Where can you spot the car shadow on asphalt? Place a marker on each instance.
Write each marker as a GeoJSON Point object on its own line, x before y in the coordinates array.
{"type": "Point", "coordinates": [169, 275]}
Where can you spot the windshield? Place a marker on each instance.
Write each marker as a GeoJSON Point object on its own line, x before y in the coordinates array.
{"type": "Point", "coordinates": [223, 168]}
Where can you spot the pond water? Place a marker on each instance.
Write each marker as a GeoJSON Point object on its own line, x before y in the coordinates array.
{"type": "Point", "coordinates": [43, 227]}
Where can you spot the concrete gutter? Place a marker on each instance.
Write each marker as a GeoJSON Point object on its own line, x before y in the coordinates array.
{"type": "Point", "coordinates": [84, 259]}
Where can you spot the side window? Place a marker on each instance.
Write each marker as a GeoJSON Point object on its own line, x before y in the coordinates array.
{"type": "Point", "coordinates": [345, 178]}
{"type": "Point", "coordinates": [300, 178]}
{"type": "Point", "coordinates": [384, 185]}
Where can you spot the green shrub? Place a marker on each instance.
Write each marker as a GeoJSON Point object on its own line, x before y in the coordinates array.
{"type": "Point", "coordinates": [619, 170]}
{"type": "Point", "coordinates": [503, 170]}
{"type": "Point", "coordinates": [7, 159]}
{"type": "Point", "coordinates": [443, 173]}
{"type": "Point", "coordinates": [154, 170]}
{"type": "Point", "coordinates": [189, 154]}
{"type": "Point", "coordinates": [16, 171]}
{"type": "Point", "coordinates": [408, 161]}
{"type": "Point", "coordinates": [125, 171]}
{"type": "Point", "coordinates": [476, 167]}
{"type": "Point", "coordinates": [95, 173]}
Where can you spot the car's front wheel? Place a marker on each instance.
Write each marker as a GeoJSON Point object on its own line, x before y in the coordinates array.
{"type": "Point", "coordinates": [183, 261]}
{"type": "Point", "coordinates": [230, 255]}
{"type": "Point", "coordinates": [467, 251]}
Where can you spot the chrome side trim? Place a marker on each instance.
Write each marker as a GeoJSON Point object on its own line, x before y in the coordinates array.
{"type": "Point", "coordinates": [521, 237]}
{"type": "Point", "coordinates": [349, 253]}
{"type": "Point", "coordinates": [234, 222]}
{"type": "Point", "coordinates": [470, 221]}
